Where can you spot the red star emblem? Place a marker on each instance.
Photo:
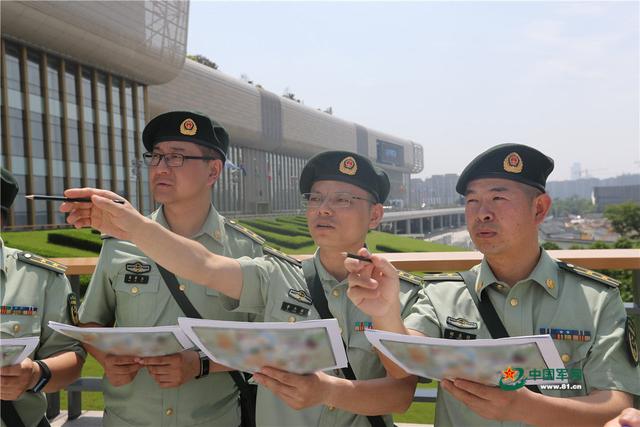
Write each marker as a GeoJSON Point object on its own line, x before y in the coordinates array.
{"type": "Point", "coordinates": [509, 374]}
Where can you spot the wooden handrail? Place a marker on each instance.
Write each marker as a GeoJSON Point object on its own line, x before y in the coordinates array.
{"type": "Point", "coordinates": [624, 259]}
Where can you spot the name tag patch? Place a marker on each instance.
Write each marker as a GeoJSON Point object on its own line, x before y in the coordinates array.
{"type": "Point", "coordinates": [452, 334]}
{"type": "Point", "coordinates": [294, 309]}
{"type": "Point", "coordinates": [136, 278]}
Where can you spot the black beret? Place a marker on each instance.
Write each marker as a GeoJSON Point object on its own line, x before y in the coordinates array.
{"type": "Point", "coordinates": [516, 162]}
{"type": "Point", "coordinates": [9, 189]}
{"type": "Point", "coordinates": [186, 126]}
{"type": "Point", "coordinates": [347, 167]}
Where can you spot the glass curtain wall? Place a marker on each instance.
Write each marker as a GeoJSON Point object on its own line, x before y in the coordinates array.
{"type": "Point", "coordinates": [65, 124]}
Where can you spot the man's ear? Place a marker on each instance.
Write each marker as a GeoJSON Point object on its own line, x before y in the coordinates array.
{"type": "Point", "coordinates": [542, 204]}
{"type": "Point", "coordinates": [375, 216]}
{"type": "Point", "coordinates": [215, 170]}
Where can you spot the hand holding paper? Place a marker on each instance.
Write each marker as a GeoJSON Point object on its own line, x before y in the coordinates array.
{"type": "Point", "coordinates": [297, 391]}
{"type": "Point", "coordinates": [16, 379]}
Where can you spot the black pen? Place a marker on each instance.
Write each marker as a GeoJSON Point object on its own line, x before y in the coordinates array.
{"type": "Point", "coordinates": [354, 256]}
{"type": "Point", "coordinates": [64, 199]}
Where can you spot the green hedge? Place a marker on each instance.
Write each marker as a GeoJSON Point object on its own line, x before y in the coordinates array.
{"type": "Point", "coordinates": [285, 242]}
{"type": "Point", "coordinates": [276, 228]}
{"type": "Point", "coordinates": [74, 242]}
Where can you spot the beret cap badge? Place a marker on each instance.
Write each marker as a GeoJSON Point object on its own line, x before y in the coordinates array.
{"type": "Point", "coordinates": [348, 166]}
{"type": "Point", "coordinates": [513, 163]}
{"type": "Point", "coordinates": [188, 127]}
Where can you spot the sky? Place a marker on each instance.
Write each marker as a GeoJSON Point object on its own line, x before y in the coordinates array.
{"type": "Point", "coordinates": [455, 77]}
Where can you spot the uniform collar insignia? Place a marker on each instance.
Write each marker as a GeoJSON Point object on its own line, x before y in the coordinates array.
{"type": "Point", "coordinates": [138, 268]}
{"type": "Point", "coordinates": [300, 296]}
{"type": "Point", "coordinates": [461, 323]}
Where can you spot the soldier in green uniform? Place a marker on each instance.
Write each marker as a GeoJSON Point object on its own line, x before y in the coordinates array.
{"type": "Point", "coordinates": [343, 194]}
{"type": "Point", "coordinates": [33, 291]}
{"type": "Point", "coordinates": [186, 155]}
{"type": "Point", "coordinates": [532, 293]}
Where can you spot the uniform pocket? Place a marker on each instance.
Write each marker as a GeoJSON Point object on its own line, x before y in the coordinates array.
{"type": "Point", "coordinates": [14, 326]}
{"type": "Point", "coordinates": [136, 301]}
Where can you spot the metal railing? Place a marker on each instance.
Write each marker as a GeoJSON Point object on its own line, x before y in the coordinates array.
{"type": "Point", "coordinates": [594, 259]}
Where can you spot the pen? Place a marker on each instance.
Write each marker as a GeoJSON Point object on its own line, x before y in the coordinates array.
{"type": "Point", "coordinates": [64, 199]}
{"type": "Point", "coordinates": [354, 256]}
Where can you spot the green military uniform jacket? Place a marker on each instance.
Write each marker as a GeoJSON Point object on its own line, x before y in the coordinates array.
{"type": "Point", "coordinates": [127, 290]}
{"type": "Point", "coordinates": [551, 300]}
{"type": "Point", "coordinates": [45, 291]}
{"type": "Point", "coordinates": [267, 284]}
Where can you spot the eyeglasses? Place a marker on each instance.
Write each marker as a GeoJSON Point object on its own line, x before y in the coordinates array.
{"type": "Point", "coordinates": [173, 160]}
{"type": "Point", "coordinates": [334, 200]}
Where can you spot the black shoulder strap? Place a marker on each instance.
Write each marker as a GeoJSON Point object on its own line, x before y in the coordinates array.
{"type": "Point", "coordinates": [190, 311]}
{"type": "Point", "coordinates": [319, 300]}
{"type": "Point", "coordinates": [10, 415]}
{"type": "Point", "coordinates": [486, 309]}
{"type": "Point", "coordinates": [488, 313]}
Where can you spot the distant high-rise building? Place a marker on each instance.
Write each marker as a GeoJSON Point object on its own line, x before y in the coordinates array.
{"type": "Point", "coordinates": [437, 191]}
{"type": "Point", "coordinates": [614, 195]}
{"type": "Point", "coordinates": [576, 171]}
{"type": "Point", "coordinates": [583, 187]}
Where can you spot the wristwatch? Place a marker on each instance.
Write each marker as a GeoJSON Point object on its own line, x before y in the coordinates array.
{"type": "Point", "coordinates": [204, 365]}
{"type": "Point", "coordinates": [45, 376]}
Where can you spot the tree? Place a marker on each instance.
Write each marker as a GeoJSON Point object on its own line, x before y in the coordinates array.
{"type": "Point", "coordinates": [571, 206]}
{"type": "Point", "coordinates": [203, 60]}
{"type": "Point", "coordinates": [550, 246]}
{"type": "Point", "coordinates": [625, 219]}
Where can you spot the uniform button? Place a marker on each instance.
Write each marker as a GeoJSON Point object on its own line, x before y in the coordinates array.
{"type": "Point", "coordinates": [565, 358]}
{"type": "Point", "coordinates": [182, 287]}
{"type": "Point", "coordinates": [134, 290]}
{"type": "Point", "coordinates": [335, 293]}
{"type": "Point", "coordinates": [499, 286]}
{"type": "Point", "coordinates": [550, 283]}
{"type": "Point", "coordinates": [331, 408]}
{"type": "Point", "coordinates": [291, 319]}
{"type": "Point", "coordinates": [514, 302]}
{"type": "Point", "coordinates": [27, 255]}
{"type": "Point", "coordinates": [16, 328]}
{"type": "Point", "coordinates": [168, 412]}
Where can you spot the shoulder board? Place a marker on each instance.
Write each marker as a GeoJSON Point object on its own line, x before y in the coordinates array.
{"type": "Point", "coordinates": [442, 277]}
{"type": "Point", "coordinates": [250, 234]}
{"type": "Point", "coordinates": [268, 250]}
{"type": "Point", "coordinates": [39, 261]}
{"type": "Point", "coordinates": [594, 275]}
{"type": "Point", "coordinates": [411, 278]}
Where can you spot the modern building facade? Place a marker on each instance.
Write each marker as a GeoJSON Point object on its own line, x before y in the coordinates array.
{"type": "Point", "coordinates": [81, 78]}
{"type": "Point", "coordinates": [615, 195]}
